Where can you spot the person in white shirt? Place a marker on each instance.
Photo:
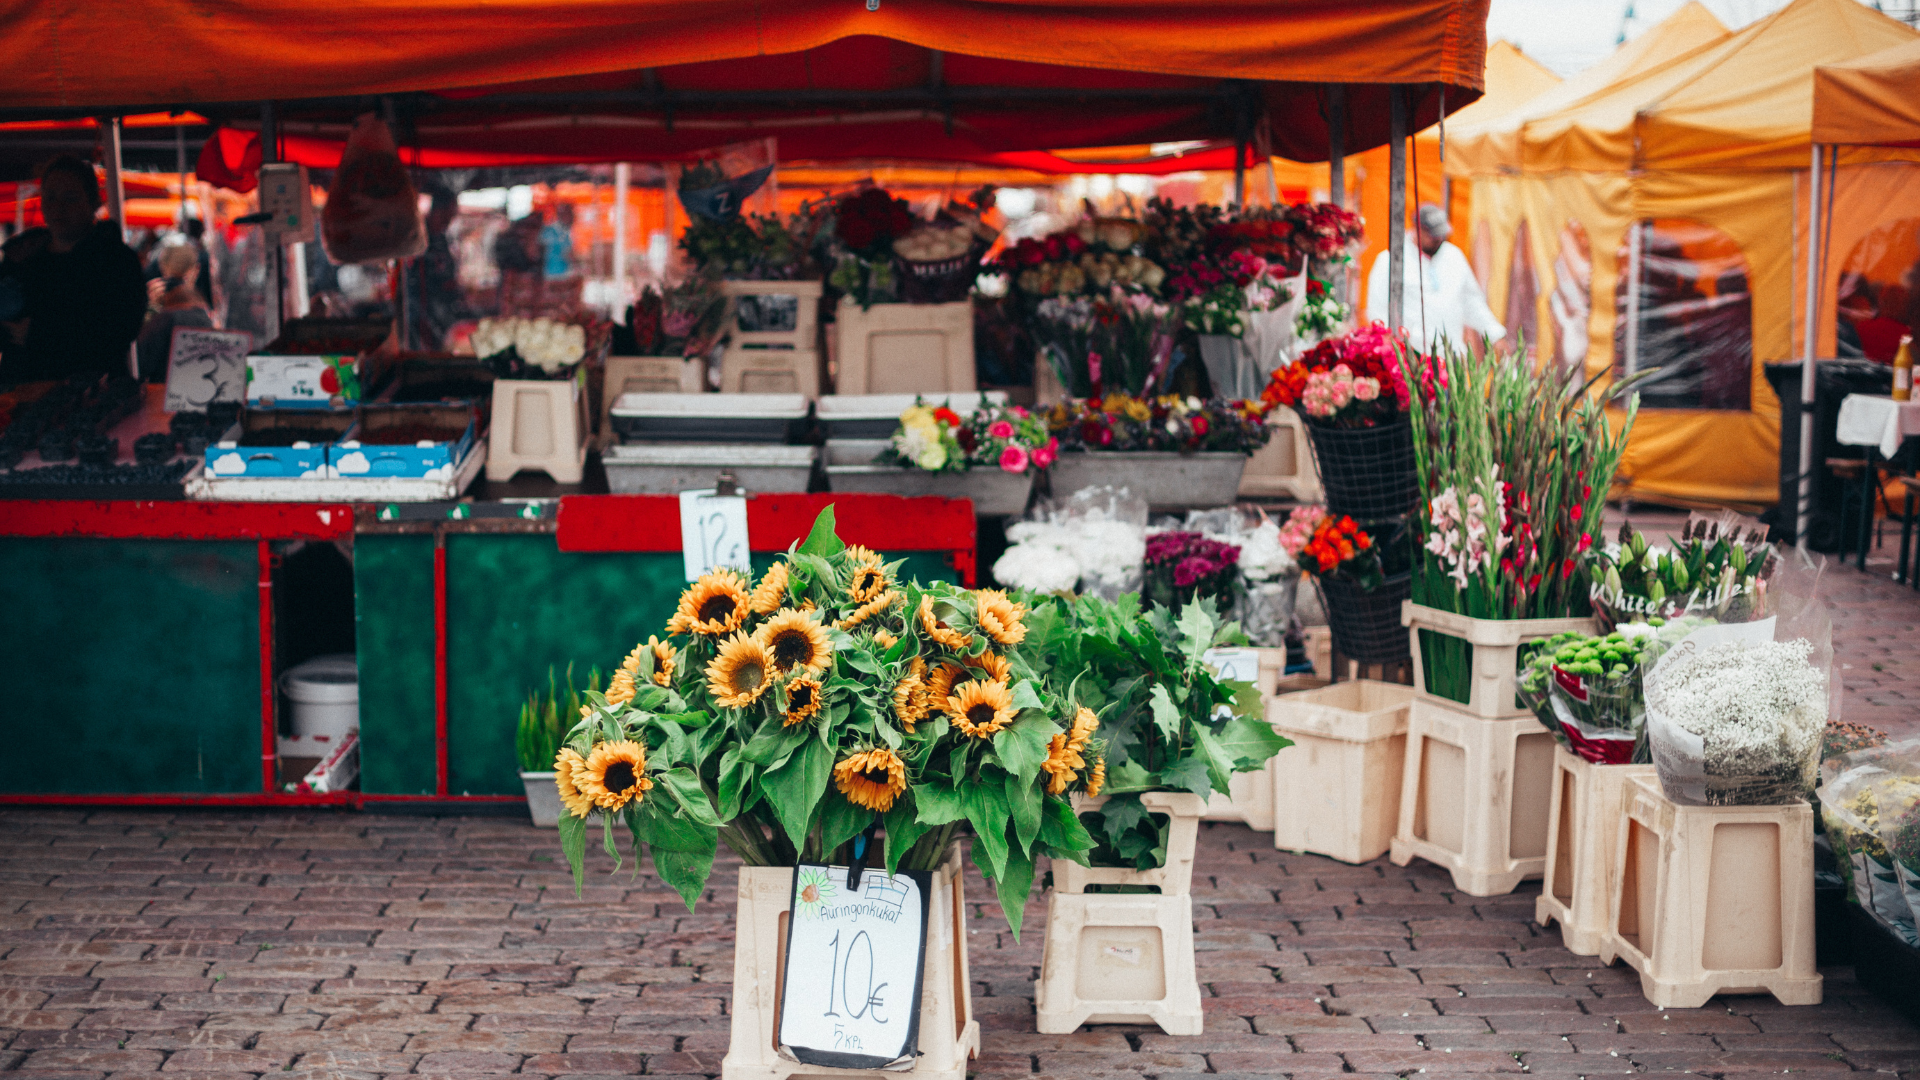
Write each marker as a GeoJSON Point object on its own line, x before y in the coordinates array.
{"type": "Point", "coordinates": [1437, 276]}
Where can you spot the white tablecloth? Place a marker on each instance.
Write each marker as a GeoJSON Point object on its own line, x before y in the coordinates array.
{"type": "Point", "coordinates": [1872, 420]}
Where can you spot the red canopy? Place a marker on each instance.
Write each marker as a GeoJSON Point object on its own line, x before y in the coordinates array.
{"type": "Point", "coordinates": [606, 80]}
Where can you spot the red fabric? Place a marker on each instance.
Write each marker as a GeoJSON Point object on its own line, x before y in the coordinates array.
{"type": "Point", "coordinates": [231, 159]}
{"type": "Point", "coordinates": [1880, 337]}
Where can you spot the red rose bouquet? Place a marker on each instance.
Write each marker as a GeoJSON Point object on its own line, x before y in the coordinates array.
{"type": "Point", "coordinates": [1354, 380]}
{"type": "Point", "coordinates": [1325, 231]}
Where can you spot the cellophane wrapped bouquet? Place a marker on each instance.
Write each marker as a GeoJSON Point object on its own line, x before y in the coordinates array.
{"type": "Point", "coordinates": [1093, 541]}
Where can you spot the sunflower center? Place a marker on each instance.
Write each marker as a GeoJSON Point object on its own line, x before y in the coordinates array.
{"type": "Point", "coordinates": [980, 715]}
{"type": "Point", "coordinates": [799, 697]}
{"type": "Point", "coordinates": [866, 579]}
{"type": "Point", "coordinates": [620, 776]}
{"type": "Point", "coordinates": [878, 777]}
{"type": "Point", "coordinates": [717, 608]}
{"type": "Point", "coordinates": [791, 647]}
{"type": "Point", "coordinates": [747, 677]}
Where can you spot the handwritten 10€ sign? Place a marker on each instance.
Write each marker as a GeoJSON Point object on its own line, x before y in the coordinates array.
{"type": "Point", "coordinates": [851, 995]}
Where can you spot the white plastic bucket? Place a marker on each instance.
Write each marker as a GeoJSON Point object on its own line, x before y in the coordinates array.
{"type": "Point", "coordinates": [325, 692]}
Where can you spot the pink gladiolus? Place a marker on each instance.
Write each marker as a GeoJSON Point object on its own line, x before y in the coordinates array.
{"type": "Point", "coordinates": [1014, 459]}
{"type": "Point", "coordinates": [1000, 429]}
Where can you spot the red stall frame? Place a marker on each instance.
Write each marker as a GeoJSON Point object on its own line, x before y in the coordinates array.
{"type": "Point", "coordinates": [584, 523]}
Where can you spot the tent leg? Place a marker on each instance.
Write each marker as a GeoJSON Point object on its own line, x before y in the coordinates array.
{"type": "Point", "coordinates": [116, 190]}
{"type": "Point", "coordinates": [1239, 174]}
{"type": "Point", "coordinates": [622, 180]}
{"type": "Point", "coordinates": [270, 152]}
{"type": "Point", "coordinates": [1635, 239]}
{"type": "Point", "coordinates": [1397, 211]}
{"type": "Point", "coordinates": [1809, 339]}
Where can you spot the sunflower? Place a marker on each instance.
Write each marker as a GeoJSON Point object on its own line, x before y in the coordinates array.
{"type": "Point", "coordinates": [996, 667]}
{"type": "Point", "coordinates": [940, 632]}
{"type": "Point", "coordinates": [940, 682]}
{"type": "Point", "coordinates": [1083, 724]}
{"type": "Point", "coordinates": [1063, 761]}
{"type": "Point", "coordinates": [803, 700]}
{"type": "Point", "coordinates": [796, 641]}
{"type": "Point", "coordinates": [1000, 617]}
{"type": "Point", "coordinates": [620, 689]}
{"type": "Point", "coordinates": [565, 768]}
{"type": "Point", "coordinates": [614, 774]}
{"type": "Point", "coordinates": [1097, 779]}
{"type": "Point", "coordinates": [866, 575]}
{"type": "Point", "coordinates": [872, 779]}
{"type": "Point", "coordinates": [980, 708]}
{"type": "Point", "coordinates": [869, 609]}
{"type": "Point", "coordinates": [910, 696]}
{"type": "Point", "coordinates": [740, 673]}
{"type": "Point", "coordinates": [771, 592]}
{"type": "Point", "coordinates": [662, 661]}
{"type": "Point", "coordinates": [715, 605]}
{"type": "Point", "coordinates": [884, 639]}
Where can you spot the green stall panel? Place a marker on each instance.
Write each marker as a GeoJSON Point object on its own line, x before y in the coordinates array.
{"type": "Point", "coordinates": [131, 666]}
{"type": "Point", "coordinates": [516, 606]}
{"type": "Point", "coordinates": [394, 638]}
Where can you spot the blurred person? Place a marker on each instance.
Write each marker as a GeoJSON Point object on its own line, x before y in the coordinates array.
{"type": "Point", "coordinates": [433, 279]}
{"type": "Point", "coordinates": [85, 295]}
{"type": "Point", "coordinates": [175, 302]}
{"type": "Point", "coordinates": [556, 240]}
{"type": "Point", "coordinates": [1438, 276]}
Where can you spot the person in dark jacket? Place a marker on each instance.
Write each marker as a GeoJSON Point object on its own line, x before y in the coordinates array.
{"type": "Point", "coordinates": [85, 294]}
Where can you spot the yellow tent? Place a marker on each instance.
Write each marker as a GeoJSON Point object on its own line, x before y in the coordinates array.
{"type": "Point", "coordinates": [1869, 101]}
{"type": "Point", "coordinates": [1684, 176]}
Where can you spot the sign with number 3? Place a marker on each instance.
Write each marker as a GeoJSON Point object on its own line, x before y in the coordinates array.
{"type": "Point", "coordinates": [851, 995]}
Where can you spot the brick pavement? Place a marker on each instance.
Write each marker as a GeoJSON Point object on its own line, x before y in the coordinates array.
{"type": "Point", "coordinates": [202, 945]}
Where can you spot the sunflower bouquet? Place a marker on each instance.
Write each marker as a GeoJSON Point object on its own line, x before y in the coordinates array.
{"type": "Point", "coordinates": [827, 701]}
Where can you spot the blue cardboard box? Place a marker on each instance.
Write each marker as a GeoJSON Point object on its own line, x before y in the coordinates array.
{"type": "Point", "coordinates": [379, 445]}
{"type": "Point", "coordinates": [277, 444]}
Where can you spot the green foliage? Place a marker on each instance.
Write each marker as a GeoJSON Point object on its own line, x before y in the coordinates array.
{"type": "Point", "coordinates": [544, 719]}
{"type": "Point", "coordinates": [1167, 722]}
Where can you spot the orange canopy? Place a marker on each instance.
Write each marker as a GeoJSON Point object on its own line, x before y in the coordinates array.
{"type": "Point", "coordinates": [1871, 101]}
{"type": "Point", "coordinates": [653, 79]}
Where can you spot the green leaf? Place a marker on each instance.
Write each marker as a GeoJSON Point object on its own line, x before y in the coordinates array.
{"type": "Point", "coordinates": [1014, 885]}
{"type": "Point", "coordinates": [937, 805]}
{"type": "Point", "coordinates": [1060, 831]}
{"type": "Point", "coordinates": [682, 850]}
{"type": "Point", "coordinates": [904, 829]}
{"type": "Point", "coordinates": [573, 843]}
{"type": "Point", "coordinates": [1250, 742]}
{"type": "Point", "coordinates": [1247, 701]}
{"type": "Point", "coordinates": [1165, 716]}
{"type": "Point", "coordinates": [1120, 814]}
{"type": "Point", "coordinates": [1026, 697]}
{"type": "Point", "coordinates": [840, 821]}
{"type": "Point", "coordinates": [1023, 798]}
{"type": "Point", "coordinates": [771, 745]}
{"type": "Point", "coordinates": [1127, 776]}
{"type": "Point", "coordinates": [1022, 745]}
{"type": "Point", "coordinates": [796, 788]}
{"type": "Point", "coordinates": [987, 809]}
{"type": "Point", "coordinates": [1197, 626]}
{"type": "Point", "coordinates": [823, 540]}
{"type": "Point", "coordinates": [1219, 763]}
{"type": "Point", "coordinates": [1188, 774]}
{"type": "Point", "coordinates": [684, 787]}
{"type": "Point", "coordinates": [735, 777]}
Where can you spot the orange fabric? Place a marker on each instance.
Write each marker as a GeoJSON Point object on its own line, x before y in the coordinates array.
{"type": "Point", "coordinates": [57, 55]}
{"type": "Point", "coordinates": [1871, 101]}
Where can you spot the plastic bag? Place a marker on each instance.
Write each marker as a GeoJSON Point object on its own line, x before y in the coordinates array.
{"type": "Point", "coordinates": [1717, 568]}
{"type": "Point", "coordinates": [1861, 794]}
{"type": "Point", "coordinates": [1736, 712]}
{"type": "Point", "coordinates": [372, 211]}
{"type": "Point", "coordinates": [1900, 832]}
{"type": "Point", "coordinates": [1095, 537]}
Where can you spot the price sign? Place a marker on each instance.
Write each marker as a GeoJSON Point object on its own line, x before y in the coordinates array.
{"type": "Point", "coordinates": [851, 995]}
{"type": "Point", "coordinates": [1233, 665]}
{"type": "Point", "coordinates": [205, 366]}
{"type": "Point", "coordinates": [713, 532]}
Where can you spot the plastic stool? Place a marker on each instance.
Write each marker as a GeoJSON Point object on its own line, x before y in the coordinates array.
{"type": "Point", "coordinates": [538, 424]}
{"type": "Point", "coordinates": [1475, 797]}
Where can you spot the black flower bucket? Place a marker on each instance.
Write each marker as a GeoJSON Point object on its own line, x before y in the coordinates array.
{"type": "Point", "coordinates": [1366, 623]}
{"type": "Point", "coordinates": [1368, 473]}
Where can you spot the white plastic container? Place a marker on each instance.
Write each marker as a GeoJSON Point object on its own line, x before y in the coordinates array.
{"type": "Point", "coordinates": [325, 692]}
{"type": "Point", "coordinates": [664, 468]}
{"type": "Point", "coordinates": [875, 416]}
{"type": "Point", "coordinates": [711, 418]}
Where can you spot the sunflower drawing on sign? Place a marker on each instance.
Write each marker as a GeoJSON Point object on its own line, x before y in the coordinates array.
{"type": "Point", "coordinates": [816, 891]}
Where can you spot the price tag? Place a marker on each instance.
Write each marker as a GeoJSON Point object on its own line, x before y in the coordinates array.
{"type": "Point", "coordinates": [1233, 665]}
{"type": "Point", "coordinates": [851, 995]}
{"type": "Point", "coordinates": [713, 532]}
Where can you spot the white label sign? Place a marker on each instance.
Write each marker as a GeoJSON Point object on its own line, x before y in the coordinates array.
{"type": "Point", "coordinates": [713, 532]}
{"type": "Point", "coordinates": [851, 997]}
{"type": "Point", "coordinates": [205, 366]}
{"type": "Point", "coordinates": [1233, 665]}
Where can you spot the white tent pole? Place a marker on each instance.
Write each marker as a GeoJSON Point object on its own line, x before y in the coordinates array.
{"type": "Point", "coordinates": [1397, 211]}
{"type": "Point", "coordinates": [1634, 260]}
{"type": "Point", "coordinates": [622, 180]}
{"type": "Point", "coordinates": [116, 190]}
{"type": "Point", "coordinates": [1809, 339]}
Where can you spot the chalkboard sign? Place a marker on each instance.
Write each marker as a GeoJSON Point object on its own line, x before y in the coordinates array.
{"type": "Point", "coordinates": [850, 998]}
{"type": "Point", "coordinates": [205, 366]}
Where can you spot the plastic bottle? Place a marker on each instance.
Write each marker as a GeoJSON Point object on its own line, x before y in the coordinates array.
{"type": "Point", "coordinates": [1903, 369]}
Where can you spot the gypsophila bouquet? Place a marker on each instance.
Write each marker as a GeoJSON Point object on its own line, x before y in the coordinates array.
{"type": "Point", "coordinates": [1737, 723]}
{"type": "Point", "coordinates": [1263, 557]}
{"type": "Point", "coordinates": [827, 701]}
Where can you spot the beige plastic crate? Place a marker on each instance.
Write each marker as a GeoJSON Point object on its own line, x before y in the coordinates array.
{"type": "Point", "coordinates": [1713, 900]}
{"type": "Point", "coordinates": [1124, 958]}
{"type": "Point", "coordinates": [1589, 803]}
{"type": "Point", "coordinates": [1474, 797]}
{"type": "Point", "coordinates": [772, 361]}
{"type": "Point", "coordinates": [1496, 649]}
{"type": "Point", "coordinates": [1336, 791]}
{"type": "Point", "coordinates": [904, 348]}
{"type": "Point", "coordinates": [646, 375]}
{"type": "Point", "coordinates": [949, 1034]}
{"type": "Point", "coordinates": [1285, 466]}
{"type": "Point", "coordinates": [538, 424]}
{"type": "Point", "coordinates": [770, 371]}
